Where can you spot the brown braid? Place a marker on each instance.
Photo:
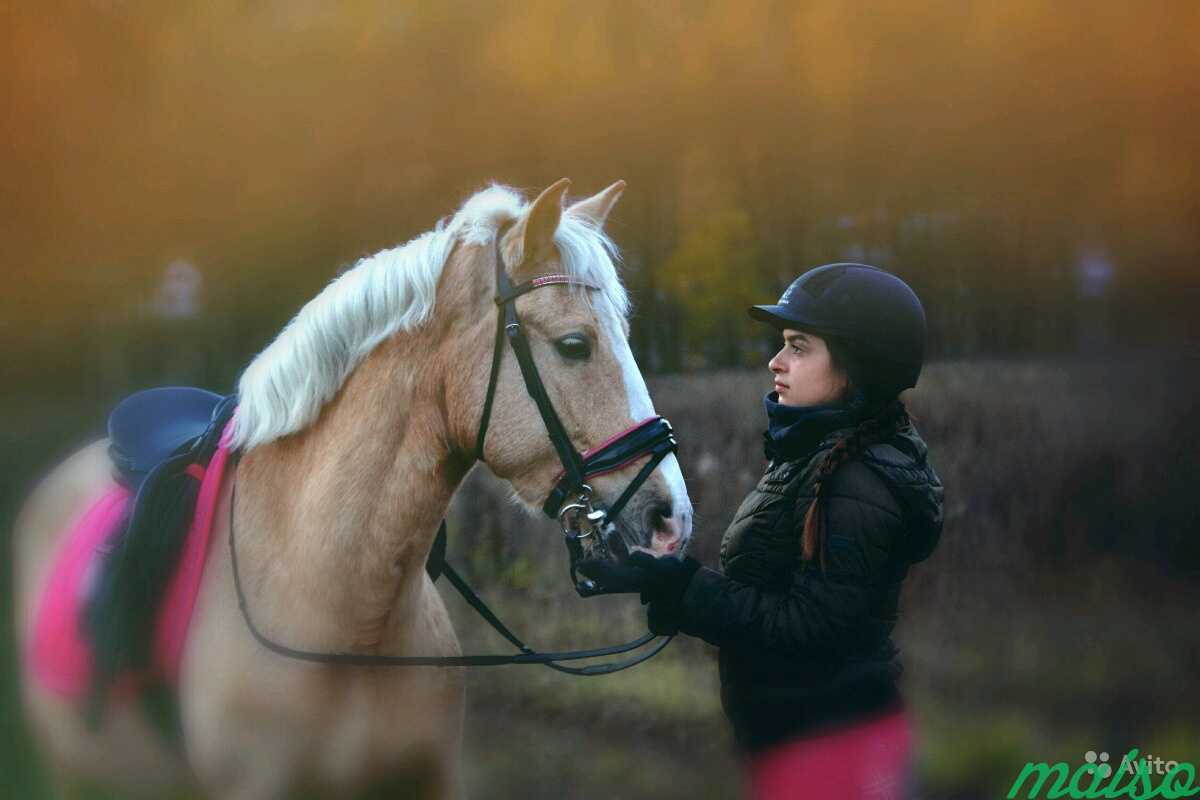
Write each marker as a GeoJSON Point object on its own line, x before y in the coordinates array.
{"type": "Point", "coordinates": [876, 428]}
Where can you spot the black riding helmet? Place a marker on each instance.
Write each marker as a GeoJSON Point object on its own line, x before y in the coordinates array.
{"type": "Point", "coordinates": [863, 312]}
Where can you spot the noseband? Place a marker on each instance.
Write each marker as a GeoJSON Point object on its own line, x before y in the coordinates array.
{"type": "Point", "coordinates": [653, 437]}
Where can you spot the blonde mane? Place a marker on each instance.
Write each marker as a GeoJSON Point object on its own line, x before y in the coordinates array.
{"type": "Point", "coordinates": [285, 387]}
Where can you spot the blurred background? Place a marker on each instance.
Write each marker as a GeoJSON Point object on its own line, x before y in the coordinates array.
{"type": "Point", "coordinates": [180, 178]}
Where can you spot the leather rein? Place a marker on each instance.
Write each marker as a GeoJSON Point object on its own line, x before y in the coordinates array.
{"type": "Point", "coordinates": [580, 518]}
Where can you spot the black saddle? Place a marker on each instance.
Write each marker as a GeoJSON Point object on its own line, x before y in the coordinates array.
{"type": "Point", "coordinates": [152, 426]}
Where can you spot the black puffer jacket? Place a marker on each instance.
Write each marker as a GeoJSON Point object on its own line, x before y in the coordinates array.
{"type": "Point", "coordinates": [801, 651]}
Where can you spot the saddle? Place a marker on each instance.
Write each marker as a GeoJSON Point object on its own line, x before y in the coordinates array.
{"type": "Point", "coordinates": [152, 426]}
{"type": "Point", "coordinates": [161, 442]}
{"type": "Point", "coordinates": [114, 613]}
{"type": "Point", "coordinates": [149, 428]}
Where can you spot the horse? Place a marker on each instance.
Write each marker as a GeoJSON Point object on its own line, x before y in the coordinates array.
{"type": "Point", "coordinates": [354, 428]}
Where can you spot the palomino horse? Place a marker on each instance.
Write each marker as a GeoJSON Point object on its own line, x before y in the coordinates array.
{"type": "Point", "coordinates": [355, 426]}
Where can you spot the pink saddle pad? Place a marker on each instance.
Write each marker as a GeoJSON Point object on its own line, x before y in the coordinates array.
{"type": "Point", "coordinates": [59, 656]}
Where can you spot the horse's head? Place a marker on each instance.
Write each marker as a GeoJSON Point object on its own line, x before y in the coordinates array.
{"type": "Point", "coordinates": [578, 338]}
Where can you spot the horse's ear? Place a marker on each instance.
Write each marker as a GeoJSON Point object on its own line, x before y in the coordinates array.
{"type": "Point", "coordinates": [595, 208]}
{"type": "Point", "coordinates": [535, 230]}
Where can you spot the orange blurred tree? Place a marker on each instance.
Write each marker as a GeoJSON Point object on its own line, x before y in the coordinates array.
{"type": "Point", "coordinates": [984, 151]}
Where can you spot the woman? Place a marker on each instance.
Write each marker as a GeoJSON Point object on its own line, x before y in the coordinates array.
{"type": "Point", "coordinates": [814, 559]}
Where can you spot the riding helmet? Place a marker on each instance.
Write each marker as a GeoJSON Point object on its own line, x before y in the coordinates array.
{"type": "Point", "coordinates": [869, 311]}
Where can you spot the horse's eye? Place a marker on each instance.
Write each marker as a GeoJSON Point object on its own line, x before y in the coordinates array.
{"type": "Point", "coordinates": [574, 346]}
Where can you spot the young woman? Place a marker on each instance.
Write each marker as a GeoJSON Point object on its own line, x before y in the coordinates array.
{"type": "Point", "coordinates": [814, 559]}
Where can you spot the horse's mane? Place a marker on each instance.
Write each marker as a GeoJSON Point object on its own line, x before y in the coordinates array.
{"type": "Point", "coordinates": [284, 388]}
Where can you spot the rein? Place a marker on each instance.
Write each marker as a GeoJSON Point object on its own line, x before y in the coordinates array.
{"type": "Point", "coordinates": [579, 519]}
{"type": "Point", "coordinates": [526, 656]}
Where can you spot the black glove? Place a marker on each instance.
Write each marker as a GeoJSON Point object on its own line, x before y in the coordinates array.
{"type": "Point", "coordinates": [664, 578]}
{"type": "Point", "coordinates": [660, 581]}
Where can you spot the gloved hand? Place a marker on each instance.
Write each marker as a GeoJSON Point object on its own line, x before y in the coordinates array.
{"type": "Point", "coordinates": [664, 578]}
{"type": "Point", "coordinates": [661, 582]}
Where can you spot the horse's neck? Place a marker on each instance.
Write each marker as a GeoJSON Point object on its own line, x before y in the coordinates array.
{"type": "Point", "coordinates": [338, 520]}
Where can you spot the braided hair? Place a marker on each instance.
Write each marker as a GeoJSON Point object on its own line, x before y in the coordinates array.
{"type": "Point", "coordinates": [878, 425]}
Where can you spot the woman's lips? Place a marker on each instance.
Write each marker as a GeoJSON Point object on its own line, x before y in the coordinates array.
{"type": "Point", "coordinates": [779, 385]}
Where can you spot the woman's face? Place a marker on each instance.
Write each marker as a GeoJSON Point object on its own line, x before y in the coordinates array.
{"type": "Point", "coordinates": [804, 371]}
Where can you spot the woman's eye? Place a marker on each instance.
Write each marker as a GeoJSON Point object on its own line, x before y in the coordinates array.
{"type": "Point", "coordinates": [574, 347]}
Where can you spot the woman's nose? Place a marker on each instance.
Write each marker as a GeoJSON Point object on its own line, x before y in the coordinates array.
{"type": "Point", "coordinates": [774, 364]}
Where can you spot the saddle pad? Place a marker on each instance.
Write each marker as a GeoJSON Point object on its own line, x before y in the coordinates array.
{"type": "Point", "coordinates": [60, 657]}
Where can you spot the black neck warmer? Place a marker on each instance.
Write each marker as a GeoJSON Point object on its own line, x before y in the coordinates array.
{"type": "Point", "coordinates": [795, 431]}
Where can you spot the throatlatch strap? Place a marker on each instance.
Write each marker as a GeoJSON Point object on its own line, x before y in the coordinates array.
{"type": "Point", "coordinates": [490, 397]}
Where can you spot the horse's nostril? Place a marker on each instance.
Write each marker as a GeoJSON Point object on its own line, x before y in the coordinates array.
{"type": "Point", "coordinates": [658, 515]}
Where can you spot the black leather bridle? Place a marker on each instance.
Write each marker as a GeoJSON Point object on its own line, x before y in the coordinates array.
{"type": "Point", "coordinates": [651, 437]}
{"type": "Point", "coordinates": [579, 518]}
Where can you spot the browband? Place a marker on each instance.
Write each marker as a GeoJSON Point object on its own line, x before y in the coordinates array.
{"type": "Point", "coordinates": [536, 283]}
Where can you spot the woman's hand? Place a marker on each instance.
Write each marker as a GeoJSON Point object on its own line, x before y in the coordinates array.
{"type": "Point", "coordinates": [660, 581]}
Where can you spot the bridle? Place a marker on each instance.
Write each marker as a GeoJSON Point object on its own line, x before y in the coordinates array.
{"type": "Point", "coordinates": [653, 437]}
{"type": "Point", "coordinates": [580, 519]}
